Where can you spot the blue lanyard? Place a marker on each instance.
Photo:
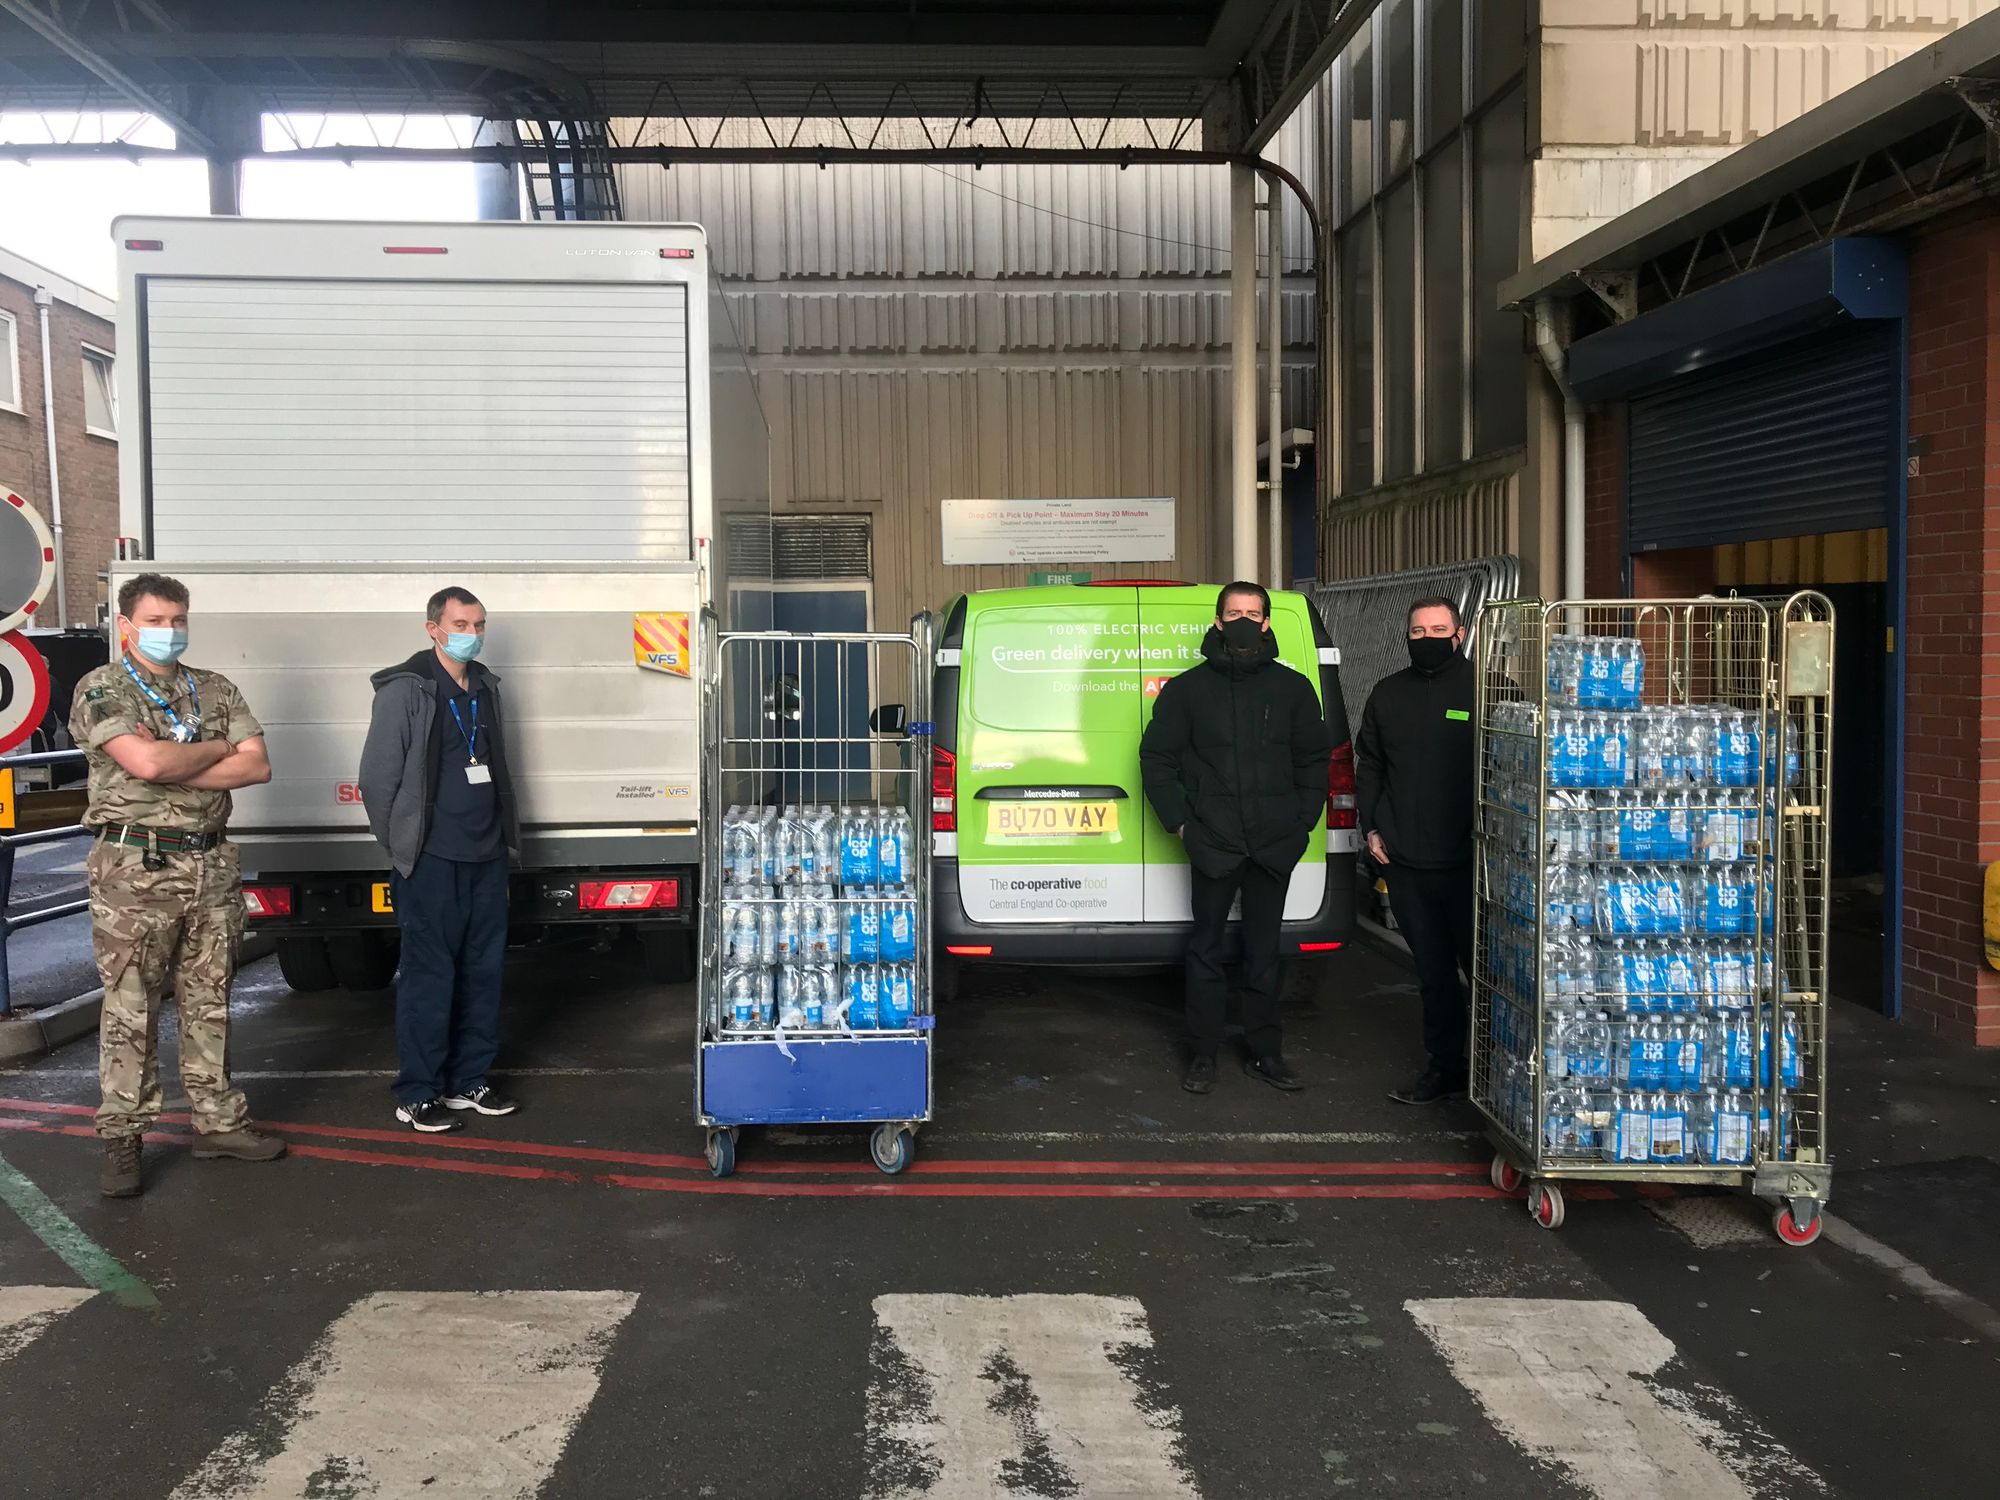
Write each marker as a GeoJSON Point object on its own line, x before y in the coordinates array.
{"type": "Point", "coordinates": [181, 732]}
{"type": "Point", "coordinates": [472, 739]}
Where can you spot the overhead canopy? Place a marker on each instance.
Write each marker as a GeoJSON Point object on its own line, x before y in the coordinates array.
{"type": "Point", "coordinates": [1236, 66]}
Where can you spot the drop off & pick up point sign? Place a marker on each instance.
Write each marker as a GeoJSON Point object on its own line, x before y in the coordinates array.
{"type": "Point", "coordinates": [983, 532]}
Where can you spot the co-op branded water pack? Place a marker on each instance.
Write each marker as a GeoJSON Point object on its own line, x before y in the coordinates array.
{"type": "Point", "coordinates": [819, 919]}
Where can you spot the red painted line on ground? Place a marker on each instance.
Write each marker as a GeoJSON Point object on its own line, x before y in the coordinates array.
{"type": "Point", "coordinates": [956, 1166]}
{"type": "Point", "coordinates": [327, 1153]}
{"type": "Point", "coordinates": [1419, 1191]}
{"type": "Point", "coordinates": [44, 1106]}
{"type": "Point", "coordinates": [1422, 1192]}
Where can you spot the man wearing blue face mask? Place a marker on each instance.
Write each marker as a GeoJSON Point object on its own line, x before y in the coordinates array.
{"type": "Point", "coordinates": [434, 780]}
{"type": "Point", "coordinates": [167, 744]}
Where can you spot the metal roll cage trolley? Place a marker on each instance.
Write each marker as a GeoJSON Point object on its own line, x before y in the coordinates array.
{"type": "Point", "coordinates": [1651, 922]}
{"type": "Point", "coordinates": [815, 983]}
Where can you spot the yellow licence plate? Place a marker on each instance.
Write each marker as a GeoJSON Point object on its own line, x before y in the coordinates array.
{"type": "Point", "coordinates": [1050, 820]}
{"type": "Point", "coordinates": [378, 896]}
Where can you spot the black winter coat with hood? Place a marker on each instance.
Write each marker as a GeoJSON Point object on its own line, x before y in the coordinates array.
{"type": "Point", "coordinates": [1237, 754]}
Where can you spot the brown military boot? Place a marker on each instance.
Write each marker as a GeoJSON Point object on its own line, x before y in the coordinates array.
{"type": "Point", "coordinates": [238, 1145]}
{"type": "Point", "coordinates": [120, 1175]}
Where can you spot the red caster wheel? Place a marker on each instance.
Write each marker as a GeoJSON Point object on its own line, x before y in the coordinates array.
{"type": "Point", "coordinates": [1545, 1205]}
{"type": "Point", "coordinates": [1785, 1222]}
{"type": "Point", "coordinates": [1505, 1176]}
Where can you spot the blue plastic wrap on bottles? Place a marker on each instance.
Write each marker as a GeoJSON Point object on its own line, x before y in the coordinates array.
{"type": "Point", "coordinates": [860, 864]}
{"type": "Point", "coordinates": [864, 999]}
{"type": "Point", "coordinates": [861, 929]}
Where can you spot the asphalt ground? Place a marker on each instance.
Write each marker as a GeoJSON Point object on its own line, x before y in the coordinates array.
{"type": "Point", "coordinates": [1091, 1283]}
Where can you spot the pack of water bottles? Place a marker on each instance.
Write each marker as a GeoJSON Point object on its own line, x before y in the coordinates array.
{"type": "Point", "coordinates": [819, 919]}
{"type": "Point", "coordinates": [1630, 904]}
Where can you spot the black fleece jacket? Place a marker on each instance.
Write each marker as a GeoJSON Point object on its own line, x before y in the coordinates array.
{"type": "Point", "coordinates": [1413, 765]}
{"type": "Point", "coordinates": [1236, 753]}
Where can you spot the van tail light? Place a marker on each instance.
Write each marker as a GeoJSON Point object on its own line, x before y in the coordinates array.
{"type": "Point", "coordinates": [627, 895]}
{"type": "Point", "coordinates": [267, 901]}
{"type": "Point", "coordinates": [1319, 947]}
{"type": "Point", "coordinates": [944, 791]}
{"type": "Point", "coordinates": [1342, 806]}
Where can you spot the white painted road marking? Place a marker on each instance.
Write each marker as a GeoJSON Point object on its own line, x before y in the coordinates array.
{"type": "Point", "coordinates": [27, 1311]}
{"type": "Point", "coordinates": [1579, 1384]}
{"type": "Point", "coordinates": [1007, 1398]}
{"type": "Point", "coordinates": [444, 1395]}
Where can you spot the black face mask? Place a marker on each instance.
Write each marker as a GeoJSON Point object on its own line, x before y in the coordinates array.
{"type": "Point", "coordinates": [1243, 637]}
{"type": "Point", "coordinates": [1432, 653]}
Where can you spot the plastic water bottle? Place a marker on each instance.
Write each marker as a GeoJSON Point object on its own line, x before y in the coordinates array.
{"type": "Point", "coordinates": [742, 857]}
{"type": "Point", "coordinates": [1678, 823]}
{"type": "Point", "coordinates": [1628, 661]}
{"type": "Point", "coordinates": [791, 931]}
{"type": "Point", "coordinates": [898, 996]}
{"type": "Point", "coordinates": [1559, 1122]}
{"type": "Point", "coordinates": [1682, 981]}
{"type": "Point", "coordinates": [1607, 734]}
{"type": "Point", "coordinates": [791, 1000]}
{"type": "Point", "coordinates": [739, 998]}
{"type": "Point", "coordinates": [819, 925]}
{"type": "Point", "coordinates": [1738, 1051]}
{"type": "Point", "coordinates": [1556, 1024]}
{"type": "Point", "coordinates": [859, 860]}
{"type": "Point", "coordinates": [892, 845]}
{"type": "Point", "coordinates": [769, 845]}
{"type": "Point", "coordinates": [1628, 1131]}
{"type": "Point", "coordinates": [1736, 754]}
{"type": "Point", "coordinates": [1670, 1127]}
{"type": "Point", "coordinates": [899, 929]}
{"type": "Point", "coordinates": [1727, 1124]}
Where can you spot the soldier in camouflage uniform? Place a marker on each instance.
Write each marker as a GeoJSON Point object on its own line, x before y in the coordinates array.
{"type": "Point", "coordinates": [166, 745]}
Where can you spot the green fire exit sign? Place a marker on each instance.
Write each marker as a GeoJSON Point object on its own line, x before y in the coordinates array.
{"type": "Point", "coordinates": [1043, 580]}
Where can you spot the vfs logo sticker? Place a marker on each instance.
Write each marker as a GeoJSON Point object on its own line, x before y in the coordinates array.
{"type": "Point", "coordinates": [660, 644]}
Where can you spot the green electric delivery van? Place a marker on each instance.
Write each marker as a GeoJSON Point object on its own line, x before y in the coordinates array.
{"type": "Point", "coordinates": [1045, 850]}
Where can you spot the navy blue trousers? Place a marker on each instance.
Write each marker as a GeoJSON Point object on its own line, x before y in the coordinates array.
{"type": "Point", "coordinates": [454, 920]}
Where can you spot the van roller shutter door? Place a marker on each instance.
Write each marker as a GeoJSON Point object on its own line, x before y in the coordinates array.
{"type": "Point", "coordinates": [1794, 441]}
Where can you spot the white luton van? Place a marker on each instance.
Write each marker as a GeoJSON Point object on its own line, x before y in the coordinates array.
{"type": "Point", "coordinates": [323, 423]}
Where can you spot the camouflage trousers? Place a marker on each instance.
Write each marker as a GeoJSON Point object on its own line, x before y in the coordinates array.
{"type": "Point", "coordinates": [187, 919]}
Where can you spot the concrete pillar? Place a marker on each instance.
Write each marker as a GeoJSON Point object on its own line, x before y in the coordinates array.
{"type": "Point", "coordinates": [1243, 373]}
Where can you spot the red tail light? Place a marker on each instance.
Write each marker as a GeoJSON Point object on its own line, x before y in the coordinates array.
{"type": "Point", "coordinates": [1342, 808]}
{"type": "Point", "coordinates": [627, 895]}
{"type": "Point", "coordinates": [1319, 947]}
{"type": "Point", "coordinates": [944, 791]}
{"type": "Point", "coordinates": [267, 901]}
{"type": "Point", "coordinates": [977, 951]}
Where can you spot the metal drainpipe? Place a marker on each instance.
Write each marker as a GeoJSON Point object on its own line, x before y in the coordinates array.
{"type": "Point", "coordinates": [1243, 373]}
{"type": "Point", "coordinates": [43, 301]}
{"type": "Point", "coordinates": [1557, 360]}
{"type": "Point", "coordinates": [1274, 340]}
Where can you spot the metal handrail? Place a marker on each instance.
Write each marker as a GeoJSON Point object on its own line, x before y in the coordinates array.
{"type": "Point", "coordinates": [10, 923]}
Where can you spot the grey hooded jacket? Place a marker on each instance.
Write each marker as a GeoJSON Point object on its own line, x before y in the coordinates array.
{"type": "Point", "coordinates": [399, 759]}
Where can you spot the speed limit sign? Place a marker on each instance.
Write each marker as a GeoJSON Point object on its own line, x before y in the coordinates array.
{"type": "Point", "coordinates": [27, 561]}
{"type": "Point", "coordinates": [24, 689]}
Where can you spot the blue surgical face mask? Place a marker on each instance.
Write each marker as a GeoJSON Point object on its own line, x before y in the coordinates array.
{"type": "Point", "coordinates": [159, 644]}
{"type": "Point", "coordinates": [462, 645]}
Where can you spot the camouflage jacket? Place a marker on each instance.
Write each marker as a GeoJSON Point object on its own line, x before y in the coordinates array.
{"type": "Point", "coordinates": [109, 703]}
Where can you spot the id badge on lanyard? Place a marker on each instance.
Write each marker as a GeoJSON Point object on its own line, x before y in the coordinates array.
{"type": "Point", "coordinates": [181, 731]}
{"type": "Point", "coordinates": [476, 771]}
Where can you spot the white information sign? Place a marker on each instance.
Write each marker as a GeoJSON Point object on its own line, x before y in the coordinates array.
{"type": "Point", "coordinates": [979, 532]}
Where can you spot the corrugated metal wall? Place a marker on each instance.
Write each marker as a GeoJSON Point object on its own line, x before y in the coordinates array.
{"type": "Point", "coordinates": [921, 333]}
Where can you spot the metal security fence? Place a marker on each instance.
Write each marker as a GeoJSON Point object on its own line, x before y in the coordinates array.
{"type": "Point", "coordinates": [1367, 616]}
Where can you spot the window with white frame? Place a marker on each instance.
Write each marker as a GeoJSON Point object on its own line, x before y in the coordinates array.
{"type": "Point", "coordinates": [100, 393]}
{"type": "Point", "coordinates": [10, 364]}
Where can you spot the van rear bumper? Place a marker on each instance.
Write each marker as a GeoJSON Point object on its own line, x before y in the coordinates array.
{"type": "Point", "coordinates": [1120, 944]}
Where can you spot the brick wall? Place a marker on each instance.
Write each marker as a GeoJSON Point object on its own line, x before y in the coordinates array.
{"type": "Point", "coordinates": [1604, 501]}
{"type": "Point", "coordinates": [87, 465]}
{"type": "Point", "coordinates": [1951, 648]}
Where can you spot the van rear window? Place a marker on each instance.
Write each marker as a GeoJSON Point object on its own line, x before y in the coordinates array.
{"type": "Point", "coordinates": [1061, 668]}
